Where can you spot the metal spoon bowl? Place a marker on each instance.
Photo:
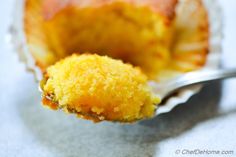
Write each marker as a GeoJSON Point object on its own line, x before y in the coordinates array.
{"type": "Point", "coordinates": [165, 89]}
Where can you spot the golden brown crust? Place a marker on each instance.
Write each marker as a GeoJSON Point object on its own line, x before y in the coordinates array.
{"type": "Point", "coordinates": [165, 8]}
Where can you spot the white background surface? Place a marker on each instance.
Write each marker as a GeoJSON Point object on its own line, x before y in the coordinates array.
{"type": "Point", "coordinates": [206, 122]}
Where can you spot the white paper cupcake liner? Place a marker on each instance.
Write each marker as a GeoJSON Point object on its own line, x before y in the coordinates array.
{"type": "Point", "coordinates": [213, 58]}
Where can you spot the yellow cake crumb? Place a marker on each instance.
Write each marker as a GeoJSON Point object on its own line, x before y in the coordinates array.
{"type": "Point", "coordinates": [100, 88]}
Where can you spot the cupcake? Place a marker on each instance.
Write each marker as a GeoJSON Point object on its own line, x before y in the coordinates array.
{"type": "Point", "coordinates": [160, 38]}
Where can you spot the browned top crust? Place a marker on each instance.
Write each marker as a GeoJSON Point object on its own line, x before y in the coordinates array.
{"type": "Point", "coordinates": [165, 8]}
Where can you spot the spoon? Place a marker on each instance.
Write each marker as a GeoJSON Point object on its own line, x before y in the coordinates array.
{"type": "Point", "coordinates": [165, 89]}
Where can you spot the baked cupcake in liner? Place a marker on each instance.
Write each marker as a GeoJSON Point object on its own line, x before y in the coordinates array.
{"type": "Point", "coordinates": [195, 44]}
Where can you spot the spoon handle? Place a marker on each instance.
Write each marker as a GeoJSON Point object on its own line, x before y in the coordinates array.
{"type": "Point", "coordinates": [193, 78]}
